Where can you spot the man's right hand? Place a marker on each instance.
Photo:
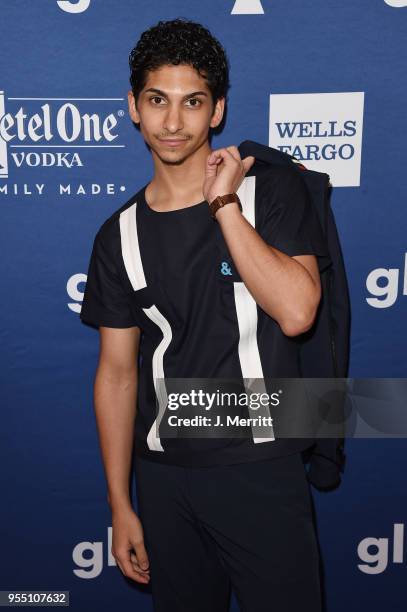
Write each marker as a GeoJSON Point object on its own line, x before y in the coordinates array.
{"type": "Point", "coordinates": [128, 545]}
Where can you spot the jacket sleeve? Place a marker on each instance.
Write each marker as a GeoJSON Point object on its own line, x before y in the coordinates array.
{"type": "Point", "coordinates": [326, 463]}
{"type": "Point", "coordinates": [291, 224]}
{"type": "Point", "coordinates": [328, 458]}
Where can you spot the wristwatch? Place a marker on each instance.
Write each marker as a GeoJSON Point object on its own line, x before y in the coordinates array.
{"type": "Point", "coordinates": [220, 201]}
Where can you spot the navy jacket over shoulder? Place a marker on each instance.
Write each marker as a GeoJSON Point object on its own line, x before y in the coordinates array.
{"type": "Point", "coordinates": [324, 348]}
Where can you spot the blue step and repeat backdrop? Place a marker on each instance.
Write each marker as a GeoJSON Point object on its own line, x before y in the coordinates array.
{"type": "Point", "coordinates": [322, 79]}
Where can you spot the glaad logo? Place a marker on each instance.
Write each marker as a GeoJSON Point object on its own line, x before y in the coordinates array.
{"type": "Point", "coordinates": [72, 288]}
{"type": "Point", "coordinates": [396, 3]}
{"type": "Point", "coordinates": [92, 566]}
{"type": "Point", "coordinates": [73, 6]}
{"type": "Point", "coordinates": [247, 7]}
{"type": "Point", "coordinates": [390, 290]}
{"type": "Point", "coordinates": [376, 563]}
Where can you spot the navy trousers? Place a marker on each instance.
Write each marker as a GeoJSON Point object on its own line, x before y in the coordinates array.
{"type": "Point", "coordinates": [246, 526]}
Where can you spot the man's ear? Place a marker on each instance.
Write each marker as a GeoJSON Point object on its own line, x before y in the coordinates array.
{"type": "Point", "coordinates": [132, 108]}
{"type": "Point", "coordinates": [217, 113]}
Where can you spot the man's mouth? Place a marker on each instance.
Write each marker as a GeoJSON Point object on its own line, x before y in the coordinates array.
{"type": "Point", "coordinates": [172, 141]}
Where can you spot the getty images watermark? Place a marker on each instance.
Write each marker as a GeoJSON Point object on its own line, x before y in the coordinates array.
{"type": "Point", "coordinates": [221, 399]}
{"type": "Point", "coordinates": [281, 408]}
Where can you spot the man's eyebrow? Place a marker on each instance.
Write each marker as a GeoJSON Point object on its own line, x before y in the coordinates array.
{"type": "Point", "coordinates": [162, 93]}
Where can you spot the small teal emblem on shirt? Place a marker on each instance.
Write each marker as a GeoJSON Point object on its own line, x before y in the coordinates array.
{"type": "Point", "coordinates": [225, 269]}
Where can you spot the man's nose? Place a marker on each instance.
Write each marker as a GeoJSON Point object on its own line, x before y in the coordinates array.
{"type": "Point", "coordinates": [173, 120]}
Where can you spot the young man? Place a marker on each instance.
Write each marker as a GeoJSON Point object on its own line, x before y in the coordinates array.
{"type": "Point", "coordinates": [184, 285]}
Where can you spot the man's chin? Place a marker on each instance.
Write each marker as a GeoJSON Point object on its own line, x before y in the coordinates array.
{"type": "Point", "coordinates": [174, 158]}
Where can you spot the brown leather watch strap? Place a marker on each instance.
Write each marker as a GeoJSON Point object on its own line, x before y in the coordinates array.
{"type": "Point", "coordinates": [222, 200]}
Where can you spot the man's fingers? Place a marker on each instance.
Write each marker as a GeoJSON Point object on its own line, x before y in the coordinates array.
{"type": "Point", "coordinates": [220, 154]}
{"type": "Point", "coordinates": [137, 564]}
{"type": "Point", "coordinates": [131, 572]}
{"type": "Point", "coordinates": [234, 151]}
{"type": "Point", "coordinates": [248, 163]}
{"type": "Point", "coordinates": [127, 568]}
{"type": "Point", "coordinates": [141, 555]}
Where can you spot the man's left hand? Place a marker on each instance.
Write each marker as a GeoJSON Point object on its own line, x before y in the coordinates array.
{"type": "Point", "coordinates": [225, 171]}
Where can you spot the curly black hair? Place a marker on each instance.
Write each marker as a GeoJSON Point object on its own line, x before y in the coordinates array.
{"type": "Point", "coordinates": [180, 41]}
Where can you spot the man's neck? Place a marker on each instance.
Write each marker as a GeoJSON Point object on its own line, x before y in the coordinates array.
{"type": "Point", "coordinates": [175, 186]}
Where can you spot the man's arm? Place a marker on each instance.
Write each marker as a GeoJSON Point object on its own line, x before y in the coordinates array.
{"type": "Point", "coordinates": [115, 392]}
{"type": "Point", "coordinates": [115, 397]}
{"type": "Point", "coordinates": [286, 288]}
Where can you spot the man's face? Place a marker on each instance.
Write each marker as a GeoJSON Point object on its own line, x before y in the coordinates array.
{"type": "Point", "coordinates": [169, 107]}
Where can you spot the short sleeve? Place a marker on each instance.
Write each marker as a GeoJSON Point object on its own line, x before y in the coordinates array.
{"type": "Point", "coordinates": [105, 302]}
{"type": "Point", "coordinates": [290, 220]}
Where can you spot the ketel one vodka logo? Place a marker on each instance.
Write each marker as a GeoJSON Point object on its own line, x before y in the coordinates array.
{"type": "Point", "coordinates": [55, 132]}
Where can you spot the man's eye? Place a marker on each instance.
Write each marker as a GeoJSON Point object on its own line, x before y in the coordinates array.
{"type": "Point", "coordinates": [190, 100]}
{"type": "Point", "coordinates": [195, 100]}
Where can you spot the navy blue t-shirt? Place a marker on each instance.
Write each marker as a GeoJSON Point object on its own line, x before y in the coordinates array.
{"type": "Point", "coordinates": [170, 274]}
